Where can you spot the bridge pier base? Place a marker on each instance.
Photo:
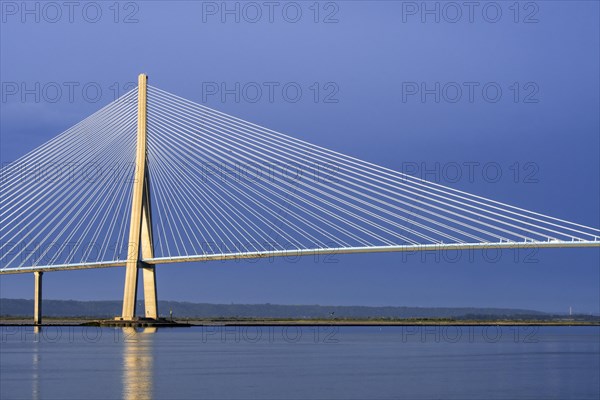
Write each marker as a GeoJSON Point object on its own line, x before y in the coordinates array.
{"type": "Point", "coordinates": [150, 297]}
{"type": "Point", "coordinates": [131, 288]}
{"type": "Point", "coordinates": [130, 292]}
{"type": "Point", "coordinates": [37, 298]}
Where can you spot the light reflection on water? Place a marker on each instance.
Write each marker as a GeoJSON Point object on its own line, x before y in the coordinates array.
{"type": "Point", "coordinates": [35, 378]}
{"type": "Point", "coordinates": [138, 363]}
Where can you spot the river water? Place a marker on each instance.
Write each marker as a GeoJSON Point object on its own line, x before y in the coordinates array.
{"type": "Point", "coordinates": [436, 362]}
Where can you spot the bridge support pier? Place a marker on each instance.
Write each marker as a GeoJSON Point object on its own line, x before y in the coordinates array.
{"type": "Point", "coordinates": [150, 297]}
{"type": "Point", "coordinates": [140, 228]}
{"type": "Point", "coordinates": [37, 298]}
{"type": "Point", "coordinates": [131, 287]}
{"type": "Point", "coordinates": [130, 293]}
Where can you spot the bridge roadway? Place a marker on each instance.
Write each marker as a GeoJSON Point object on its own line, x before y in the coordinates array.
{"type": "Point", "coordinates": [309, 252]}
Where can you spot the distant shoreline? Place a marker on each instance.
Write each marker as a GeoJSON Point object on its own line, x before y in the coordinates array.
{"type": "Point", "coordinates": [72, 313]}
{"type": "Point", "coordinates": [57, 321]}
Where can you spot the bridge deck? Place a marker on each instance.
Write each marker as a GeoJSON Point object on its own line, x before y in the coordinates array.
{"type": "Point", "coordinates": [310, 252]}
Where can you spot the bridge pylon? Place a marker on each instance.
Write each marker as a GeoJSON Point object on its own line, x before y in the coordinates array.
{"type": "Point", "coordinates": [140, 228]}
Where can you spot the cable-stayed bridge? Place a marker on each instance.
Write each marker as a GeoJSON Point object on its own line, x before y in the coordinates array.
{"type": "Point", "coordinates": [153, 178]}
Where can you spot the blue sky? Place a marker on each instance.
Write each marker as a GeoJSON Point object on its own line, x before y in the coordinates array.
{"type": "Point", "coordinates": [356, 66]}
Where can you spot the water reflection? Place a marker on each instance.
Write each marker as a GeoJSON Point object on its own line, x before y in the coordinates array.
{"type": "Point", "coordinates": [137, 363]}
{"type": "Point", "coordinates": [35, 381]}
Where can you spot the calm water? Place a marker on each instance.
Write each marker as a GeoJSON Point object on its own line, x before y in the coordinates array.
{"type": "Point", "coordinates": [301, 363]}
